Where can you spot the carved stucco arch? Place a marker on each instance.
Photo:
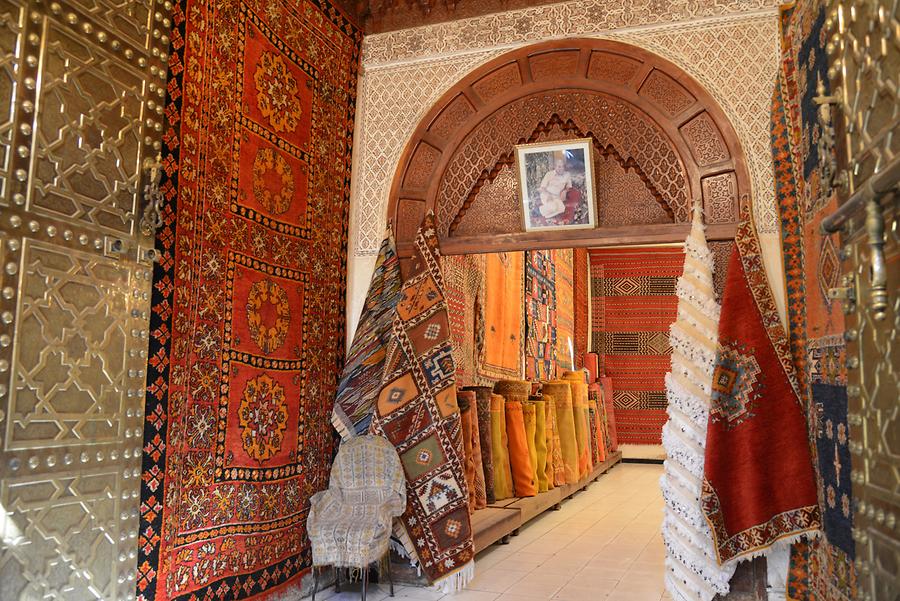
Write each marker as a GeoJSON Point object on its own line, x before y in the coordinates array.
{"type": "Point", "coordinates": [655, 121]}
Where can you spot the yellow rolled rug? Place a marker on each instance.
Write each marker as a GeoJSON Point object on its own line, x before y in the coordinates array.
{"type": "Point", "coordinates": [540, 443]}
{"type": "Point", "coordinates": [529, 416]}
{"type": "Point", "coordinates": [561, 393]}
{"type": "Point", "coordinates": [499, 453]}
{"type": "Point", "coordinates": [556, 473]}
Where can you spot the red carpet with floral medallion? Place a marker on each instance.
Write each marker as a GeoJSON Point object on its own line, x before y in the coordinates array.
{"type": "Point", "coordinates": [247, 328]}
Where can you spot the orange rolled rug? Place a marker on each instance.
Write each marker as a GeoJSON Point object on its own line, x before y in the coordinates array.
{"type": "Point", "coordinates": [524, 484]}
{"type": "Point", "coordinates": [529, 416]}
{"type": "Point", "coordinates": [472, 449]}
{"type": "Point", "coordinates": [499, 451]}
{"type": "Point", "coordinates": [561, 392]}
{"type": "Point", "coordinates": [516, 392]}
{"type": "Point", "coordinates": [582, 418]}
{"type": "Point", "coordinates": [465, 400]}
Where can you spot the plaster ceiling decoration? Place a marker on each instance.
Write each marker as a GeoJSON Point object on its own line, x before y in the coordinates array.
{"type": "Point", "coordinates": [732, 53]}
{"type": "Point", "coordinates": [637, 108]}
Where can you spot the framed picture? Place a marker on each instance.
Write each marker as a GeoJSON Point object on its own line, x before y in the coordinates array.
{"type": "Point", "coordinates": [556, 185]}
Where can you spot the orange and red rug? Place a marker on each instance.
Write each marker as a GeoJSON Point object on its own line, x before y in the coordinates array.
{"type": "Point", "coordinates": [247, 330]}
{"type": "Point", "coordinates": [633, 303]}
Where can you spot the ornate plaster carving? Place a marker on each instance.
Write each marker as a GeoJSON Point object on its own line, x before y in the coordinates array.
{"type": "Point", "coordinates": [731, 50]}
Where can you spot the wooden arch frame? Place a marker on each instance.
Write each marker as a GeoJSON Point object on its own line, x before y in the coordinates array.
{"type": "Point", "coordinates": [703, 138]}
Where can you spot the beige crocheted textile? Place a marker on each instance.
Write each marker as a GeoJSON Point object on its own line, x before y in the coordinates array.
{"type": "Point", "coordinates": [349, 524]}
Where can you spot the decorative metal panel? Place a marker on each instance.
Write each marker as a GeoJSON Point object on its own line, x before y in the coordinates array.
{"type": "Point", "coordinates": [82, 86]}
{"type": "Point", "coordinates": [865, 75]}
{"type": "Point", "coordinates": [873, 361]}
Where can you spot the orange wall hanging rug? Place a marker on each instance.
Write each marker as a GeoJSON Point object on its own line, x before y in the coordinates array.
{"type": "Point", "coordinates": [247, 326]}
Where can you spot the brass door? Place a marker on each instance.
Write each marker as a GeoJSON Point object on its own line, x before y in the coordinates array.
{"type": "Point", "coordinates": [82, 93]}
{"type": "Point", "coordinates": [865, 79]}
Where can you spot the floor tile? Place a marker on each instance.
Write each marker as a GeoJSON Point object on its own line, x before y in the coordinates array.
{"type": "Point", "coordinates": [496, 580]}
{"type": "Point", "coordinates": [475, 596]}
{"type": "Point", "coordinates": [575, 591]}
{"type": "Point", "coordinates": [539, 584]}
{"type": "Point", "coordinates": [603, 544]}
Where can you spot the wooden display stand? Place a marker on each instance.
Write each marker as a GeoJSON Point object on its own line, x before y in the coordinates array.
{"type": "Point", "coordinates": [504, 518]}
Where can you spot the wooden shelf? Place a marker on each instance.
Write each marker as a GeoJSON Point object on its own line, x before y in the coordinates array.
{"type": "Point", "coordinates": [503, 518]}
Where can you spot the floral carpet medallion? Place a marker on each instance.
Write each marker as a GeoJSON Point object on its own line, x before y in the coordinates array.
{"type": "Point", "coordinates": [246, 337]}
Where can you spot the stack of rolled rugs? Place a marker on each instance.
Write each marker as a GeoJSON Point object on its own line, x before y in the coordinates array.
{"type": "Point", "coordinates": [523, 438]}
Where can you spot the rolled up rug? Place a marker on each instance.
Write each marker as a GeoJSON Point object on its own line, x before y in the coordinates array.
{"type": "Point", "coordinates": [592, 365]}
{"type": "Point", "coordinates": [518, 390]}
{"type": "Point", "coordinates": [580, 412]}
{"type": "Point", "coordinates": [595, 397]}
{"type": "Point", "coordinates": [540, 443]}
{"type": "Point", "coordinates": [610, 409]}
{"type": "Point", "coordinates": [556, 472]}
{"type": "Point", "coordinates": [529, 416]}
{"type": "Point", "coordinates": [524, 484]}
{"type": "Point", "coordinates": [483, 411]}
{"type": "Point", "coordinates": [592, 434]}
{"type": "Point", "coordinates": [499, 453]}
{"type": "Point", "coordinates": [561, 392]}
{"type": "Point", "coordinates": [466, 400]}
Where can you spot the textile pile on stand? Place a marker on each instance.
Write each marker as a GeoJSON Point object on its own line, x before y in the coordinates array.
{"type": "Point", "coordinates": [417, 411]}
{"type": "Point", "coordinates": [757, 430]}
{"type": "Point", "coordinates": [692, 569]}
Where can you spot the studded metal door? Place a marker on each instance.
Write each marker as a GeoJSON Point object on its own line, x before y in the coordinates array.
{"type": "Point", "coordinates": [865, 77]}
{"type": "Point", "coordinates": [82, 91]}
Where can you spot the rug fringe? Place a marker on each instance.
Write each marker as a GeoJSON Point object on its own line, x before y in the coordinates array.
{"type": "Point", "coordinates": [341, 427]}
{"type": "Point", "coordinates": [405, 543]}
{"type": "Point", "coordinates": [398, 548]}
{"type": "Point", "coordinates": [457, 581]}
{"type": "Point", "coordinates": [811, 534]}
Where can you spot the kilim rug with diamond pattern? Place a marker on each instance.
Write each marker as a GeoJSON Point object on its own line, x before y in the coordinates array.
{"type": "Point", "coordinates": [633, 303]}
{"type": "Point", "coordinates": [418, 412]}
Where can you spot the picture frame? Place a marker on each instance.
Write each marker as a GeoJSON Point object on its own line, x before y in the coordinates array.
{"type": "Point", "coordinates": [556, 185]}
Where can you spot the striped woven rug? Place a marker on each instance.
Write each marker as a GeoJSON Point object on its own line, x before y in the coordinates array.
{"type": "Point", "coordinates": [633, 303]}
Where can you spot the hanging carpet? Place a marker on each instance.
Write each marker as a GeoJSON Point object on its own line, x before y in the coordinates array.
{"type": "Point", "coordinates": [417, 411]}
{"type": "Point", "coordinates": [247, 324]}
{"type": "Point", "coordinates": [540, 315]}
{"type": "Point", "coordinates": [361, 381]}
{"type": "Point", "coordinates": [758, 486]}
{"type": "Point", "coordinates": [581, 302]}
{"type": "Point", "coordinates": [633, 303]}
{"type": "Point", "coordinates": [463, 291]}
{"type": "Point", "coordinates": [564, 287]}
{"type": "Point", "coordinates": [822, 567]}
{"type": "Point", "coordinates": [692, 569]}
{"type": "Point", "coordinates": [500, 355]}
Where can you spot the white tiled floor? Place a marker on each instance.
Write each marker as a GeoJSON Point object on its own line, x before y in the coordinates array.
{"type": "Point", "coordinates": [604, 543]}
